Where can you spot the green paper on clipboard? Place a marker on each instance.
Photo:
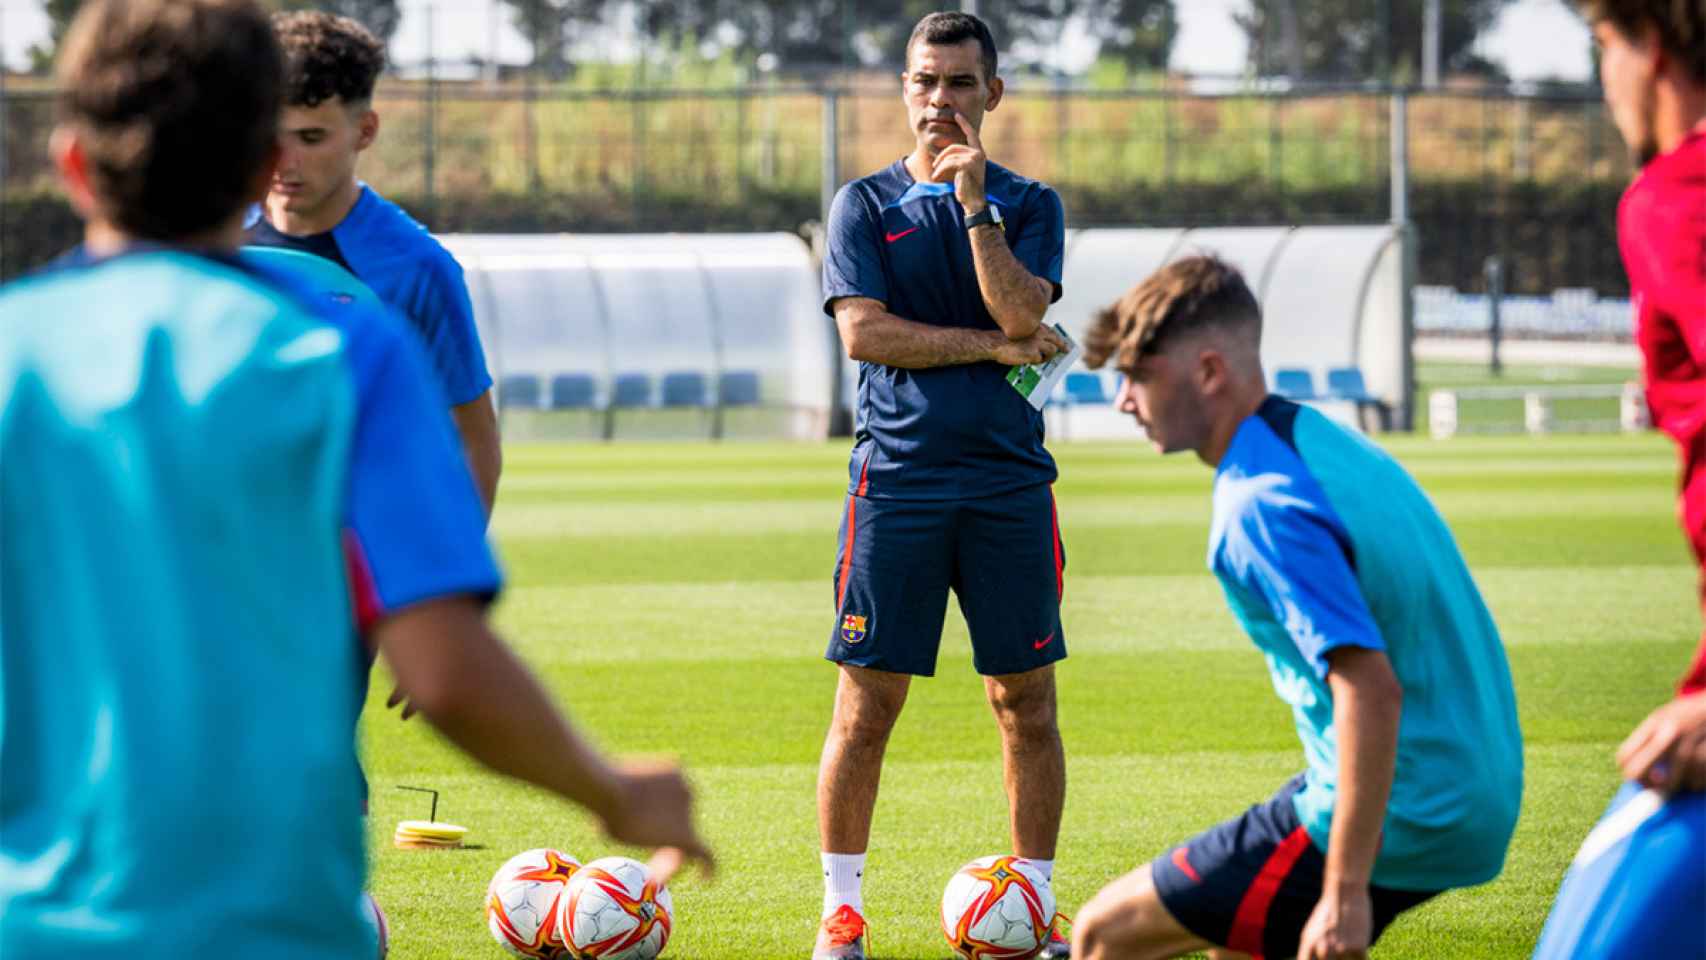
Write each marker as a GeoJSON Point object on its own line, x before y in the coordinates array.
{"type": "Point", "coordinates": [1036, 381]}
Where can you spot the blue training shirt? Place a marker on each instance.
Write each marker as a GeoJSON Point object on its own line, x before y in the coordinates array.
{"type": "Point", "coordinates": [188, 448]}
{"type": "Point", "coordinates": [945, 433]}
{"type": "Point", "coordinates": [395, 256]}
{"type": "Point", "coordinates": [1321, 540]}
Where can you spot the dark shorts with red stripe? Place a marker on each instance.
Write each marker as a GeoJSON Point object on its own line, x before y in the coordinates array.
{"type": "Point", "coordinates": [1001, 556]}
{"type": "Point", "coordinates": [1251, 883]}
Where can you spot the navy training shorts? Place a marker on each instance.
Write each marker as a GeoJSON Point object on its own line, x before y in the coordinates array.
{"type": "Point", "coordinates": [1001, 555]}
{"type": "Point", "coordinates": [1250, 884]}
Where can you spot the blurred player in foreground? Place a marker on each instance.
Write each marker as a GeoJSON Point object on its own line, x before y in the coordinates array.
{"type": "Point", "coordinates": [1352, 587]}
{"type": "Point", "coordinates": [1637, 888]}
{"type": "Point", "coordinates": [939, 270]}
{"type": "Point", "coordinates": [194, 456]}
{"type": "Point", "coordinates": [316, 205]}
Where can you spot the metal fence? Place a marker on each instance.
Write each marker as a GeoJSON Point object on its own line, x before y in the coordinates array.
{"type": "Point", "coordinates": [1531, 179]}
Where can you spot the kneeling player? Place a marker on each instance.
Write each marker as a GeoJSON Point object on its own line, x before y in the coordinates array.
{"type": "Point", "coordinates": [1350, 584]}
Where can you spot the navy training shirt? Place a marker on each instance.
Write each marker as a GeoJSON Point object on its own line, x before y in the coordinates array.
{"type": "Point", "coordinates": [413, 274]}
{"type": "Point", "coordinates": [947, 433]}
{"type": "Point", "coordinates": [323, 245]}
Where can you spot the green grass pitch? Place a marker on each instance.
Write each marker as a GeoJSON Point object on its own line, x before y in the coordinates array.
{"type": "Point", "coordinates": [677, 599]}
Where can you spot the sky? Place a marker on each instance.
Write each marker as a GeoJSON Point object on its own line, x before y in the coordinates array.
{"type": "Point", "coordinates": [1534, 39]}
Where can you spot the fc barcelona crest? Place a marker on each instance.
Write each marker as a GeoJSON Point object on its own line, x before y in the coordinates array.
{"type": "Point", "coordinates": [852, 629]}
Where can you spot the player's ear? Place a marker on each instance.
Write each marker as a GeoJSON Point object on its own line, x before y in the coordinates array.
{"type": "Point", "coordinates": [997, 89]}
{"type": "Point", "coordinates": [368, 126]}
{"type": "Point", "coordinates": [72, 163]}
{"type": "Point", "coordinates": [1211, 371]}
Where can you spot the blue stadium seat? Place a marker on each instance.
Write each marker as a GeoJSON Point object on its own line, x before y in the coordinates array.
{"type": "Point", "coordinates": [1084, 387]}
{"type": "Point", "coordinates": [1294, 384]}
{"type": "Point", "coordinates": [1346, 383]}
{"type": "Point", "coordinates": [519, 390]}
{"type": "Point", "coordinates": [632, 390]}
{"type": "Point", "coordinates": [738, 388]}
{"type": "Point", "coordinates": [684, 388]}
{"type": "Point", "coordinates": [573, 391]}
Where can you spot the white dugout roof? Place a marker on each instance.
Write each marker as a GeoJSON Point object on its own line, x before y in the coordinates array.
{"type": "Point", "coordinates": [1332, 297]}
{"type": "Point", "coordinates": [652, 308]}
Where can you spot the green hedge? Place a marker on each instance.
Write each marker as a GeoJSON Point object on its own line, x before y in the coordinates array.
{"type": "Point", "coordinates": [1549, 236]}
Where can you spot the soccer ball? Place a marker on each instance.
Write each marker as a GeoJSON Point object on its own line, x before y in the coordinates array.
{"type": "Point", "coordinates": [521, 903]}
{"type": "Point", "coordinates": [614, 910]}
{"type": "Point", "coordinates": [375, 918]}
{"type": "Point", "coordinates": [997, 908]}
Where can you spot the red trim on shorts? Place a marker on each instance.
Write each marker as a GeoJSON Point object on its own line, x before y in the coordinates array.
{"type": "Point", "coordinates": [364, 593]}
{"type": "Point", "coordinates": [852, 533]}
{"type": "Point", "coordinates": [1059, 558]}
{"type": "Point", "coordinates": [1251, 921]}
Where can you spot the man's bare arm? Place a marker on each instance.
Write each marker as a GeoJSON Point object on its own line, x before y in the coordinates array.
{"type": "Point", "coordinates": [872, 334]}
{"type": "Point", "coordinates": [1367, 706]}
{"type": "Point", "coordinates": [1014, 297]}
{"type": "Point", "coordinates": [477, 424]}
{"type": "Point", "coordinates": [468, 685]}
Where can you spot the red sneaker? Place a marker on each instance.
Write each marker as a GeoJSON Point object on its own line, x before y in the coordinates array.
{"type": "Point", "coordinates": [842, 936]}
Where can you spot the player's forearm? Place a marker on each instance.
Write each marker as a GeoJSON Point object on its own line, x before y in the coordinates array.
{"type": "Point", "coordinates": [482, 444]}
{"type": "Point", "coordinates": [1367, 707]}
{"type": "Point", "coordinates": [469, 685]}
{"type": "Point", "coordinates": [876, 336]}
{"type": "Point", "coordinates": [1012, 295]}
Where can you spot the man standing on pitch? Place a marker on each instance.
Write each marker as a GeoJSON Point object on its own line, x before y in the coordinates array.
{"type": "Point", "coordinates": [1350, 584]}
{"type": "Point", "coordinates": [938, 271]}
{"type": "Point", "coordinates": [317, 205]}
{"type": "Point", "coordinates": [1637, 887]}
{"type": "Point", "coordinates": [192, 449]}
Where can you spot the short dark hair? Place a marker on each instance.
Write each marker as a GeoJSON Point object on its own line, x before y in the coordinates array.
{"type": "Point", "coordinates": [1185, 296]}
{"type": "Point", "coordinates": [951, 28]}
{"type": "Point", "coordinates": [176, 104]}
{"type": "Point", "coordinates": [1681, 26]}
{"type": "Point", "coordinates": [328, 56]}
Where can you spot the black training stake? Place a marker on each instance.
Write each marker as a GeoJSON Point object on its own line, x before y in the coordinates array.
{"type": "Point", "coordinates": [434, 793]}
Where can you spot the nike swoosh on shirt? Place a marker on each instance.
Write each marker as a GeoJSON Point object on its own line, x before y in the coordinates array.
{"type": "Point", "coordinates": [896, 236]}
{"type": "Point", "coordinates": [1043, 642]}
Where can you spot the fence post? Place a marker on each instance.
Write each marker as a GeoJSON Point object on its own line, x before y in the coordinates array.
{"type": "Point", "coordinates": [1400, 163]}
{"type": "Point", "coordinates": [530, 136]}
{"type": "Point", "coordinates": [429, 141]}
{"type": "Point", "coordinates": [831, 177]}
{"type": "Point", "coordinates": [1495, 269]}
{"type": "Point", "coordinates": [1399, 125]}
{"type": "Point", "coordinates": [5, 108]}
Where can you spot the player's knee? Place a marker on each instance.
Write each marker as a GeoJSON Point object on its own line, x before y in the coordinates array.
{"type": "Point", "coordinates": [1026, 710]}
{"type": "Point", "coordinates": [865, 718]}
{"type": "Point", "coordinates": [1126, 921]}
{"type": "Point", "coordinates": [1096, 931]}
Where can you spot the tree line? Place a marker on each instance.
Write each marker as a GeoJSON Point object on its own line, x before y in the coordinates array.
{"type": "Point", "coordinates": [1335, 40]}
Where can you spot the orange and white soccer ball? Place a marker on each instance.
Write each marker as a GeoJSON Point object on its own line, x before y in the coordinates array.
{"type": "Point", "coordinates": [521, 903]}
{"type": "Point", "coordinates": [998, 908]}
{"type": "Point", "coordinates": [614, 910]}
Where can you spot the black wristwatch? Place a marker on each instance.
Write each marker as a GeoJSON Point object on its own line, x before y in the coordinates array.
{"type": "Point", "coordinates": [990, 214]}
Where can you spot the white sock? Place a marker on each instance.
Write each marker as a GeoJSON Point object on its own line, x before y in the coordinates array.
{"type": "Point", "coordinates": [842, 873]}
{"type": "Point", "coordinates": [1046, 868]}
